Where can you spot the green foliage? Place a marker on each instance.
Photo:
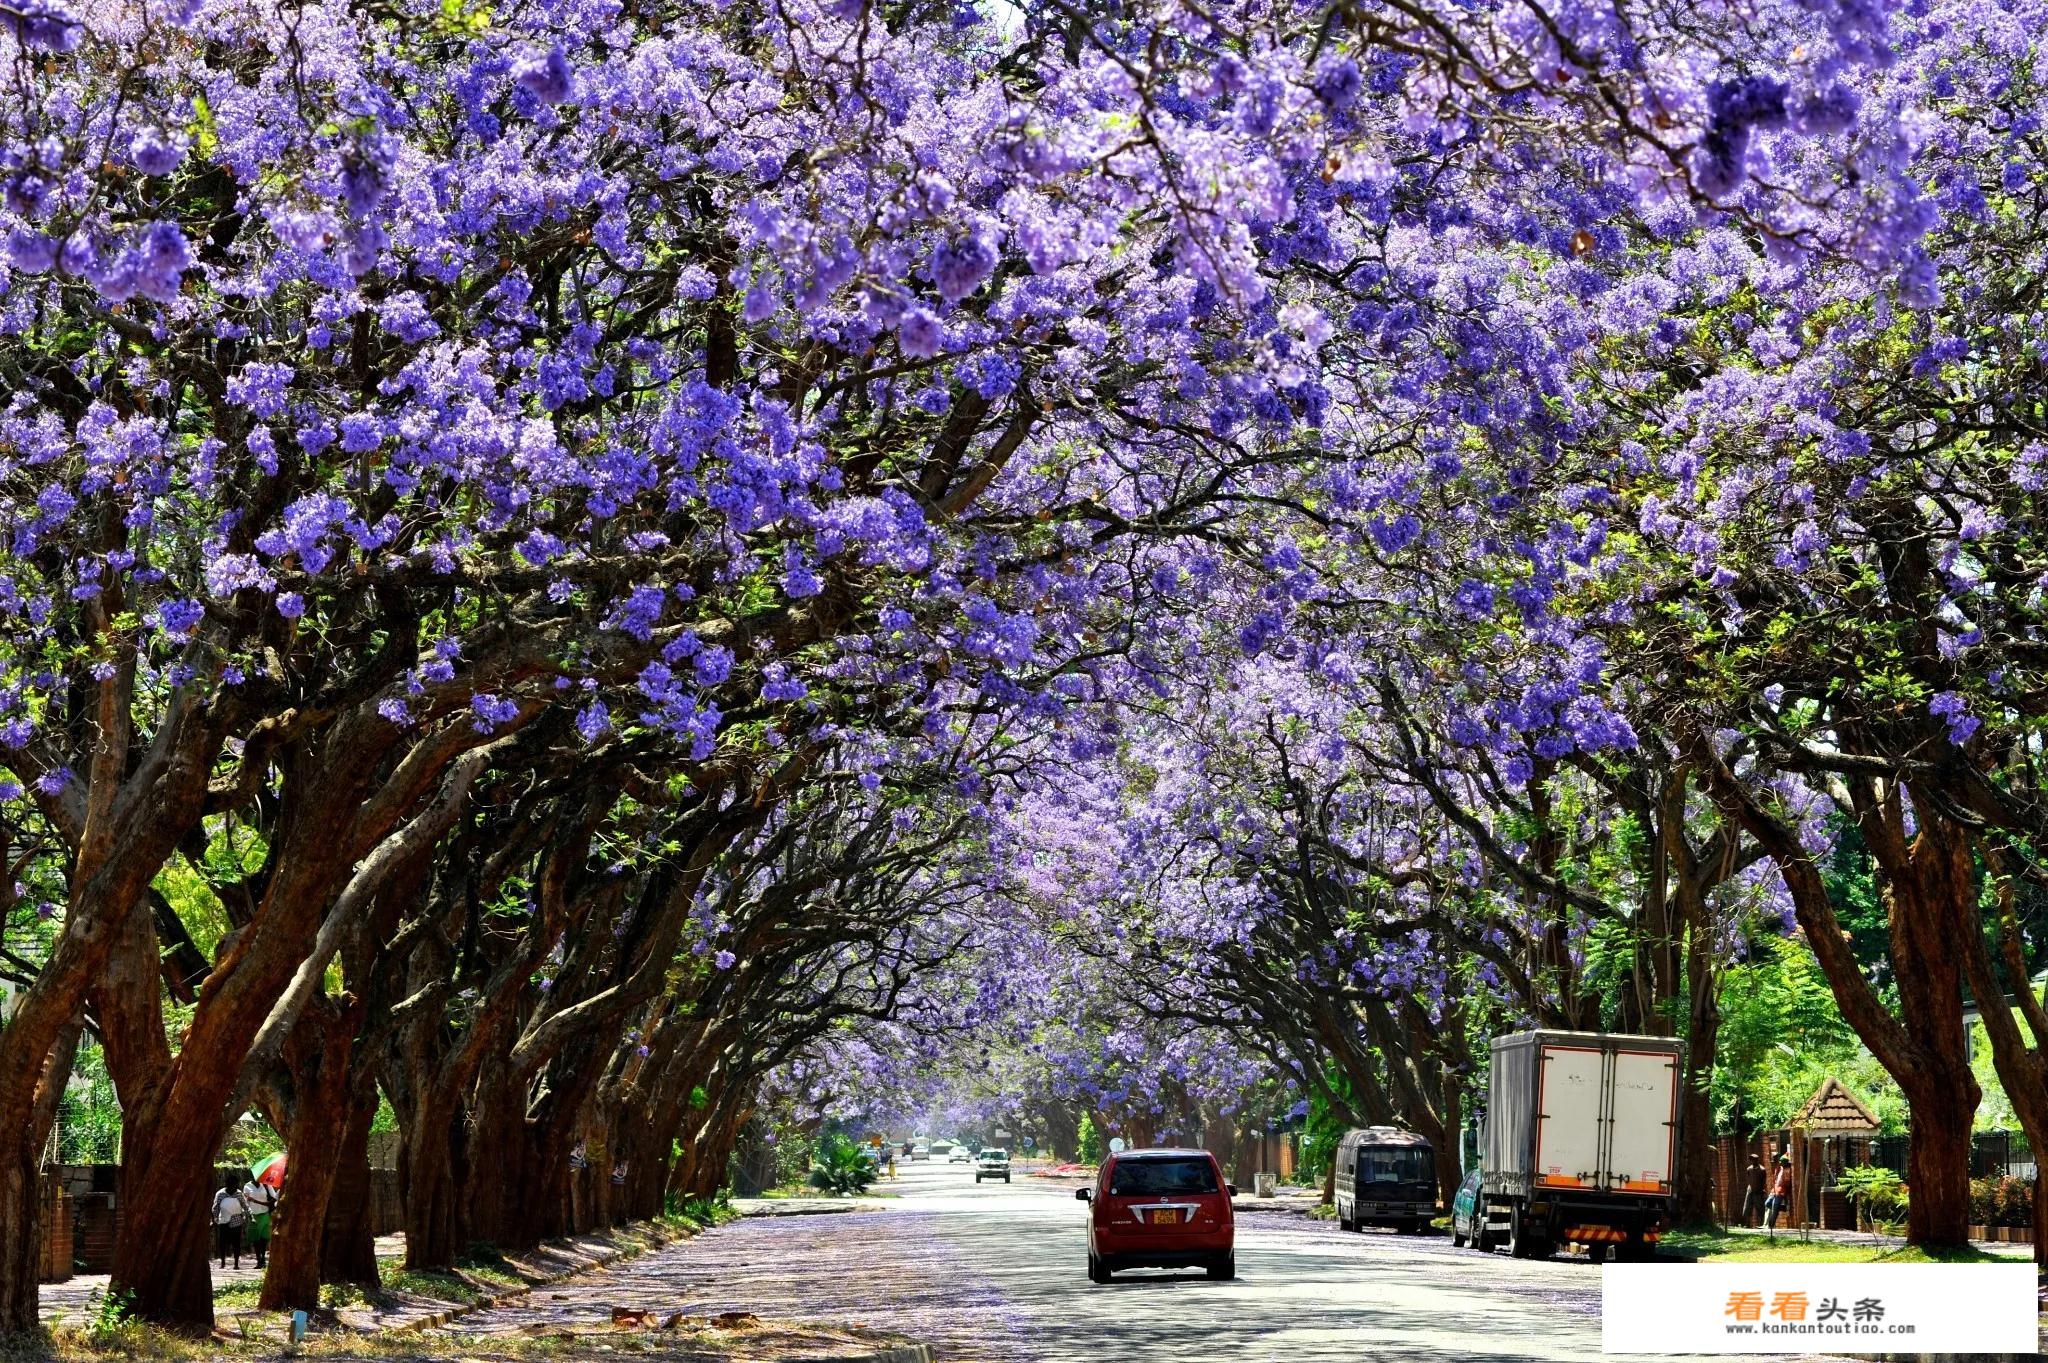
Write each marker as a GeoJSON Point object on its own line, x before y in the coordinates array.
{"type": "Point", "coordinates": [1089, 1137]}
{"type": "Point", "coordinates": [250, 1141]}
{"type": "Point", "coordinates": [841, 1168]}
{"type": "Point", "coordinates": [89, 1113]}
{"type": "Point", "coordinates": [696, 1213]}
{"type": "Point", "coordinates": [1880, 1194]}
{"type": "Point", "coordinates": [1781, 1036]}
{"type": "Point", "coordinates": [1326, 1126]}
{"type": "Point", "coordinates": [794, 1154]}
{"type": "Point", "coordinates": [109, 1314]}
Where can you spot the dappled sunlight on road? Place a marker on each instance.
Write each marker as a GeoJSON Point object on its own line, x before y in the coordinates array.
{"type": "Point", "coordinates": [996, 1274]}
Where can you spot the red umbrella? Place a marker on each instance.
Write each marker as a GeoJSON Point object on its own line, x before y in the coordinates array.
{"type": "Point", "coordinates": [271, 1171]}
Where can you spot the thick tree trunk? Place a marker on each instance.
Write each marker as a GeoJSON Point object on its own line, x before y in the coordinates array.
{"type": "Point", "coordinates": [1930, 898]}
{"type": "Point", "coordinates": [1928, 884]}
{"type": "Point", "coordinates": [321, 1085]}
{"type": "Point", "coordinates": [1938, 1170]}
{"type": "Point", "coordinates": [21, 1152]}
{"type": "Point", "coordinates": [348, 1250]}
{"type": "Point", "coordinates": [433, 1224]}
{"type": "Point", "coordinates": [1449, 1158]}
{"type": "Point", "coordinates": [20, 1233]}
{"type": "Point", "coordinates": [162, 1255]}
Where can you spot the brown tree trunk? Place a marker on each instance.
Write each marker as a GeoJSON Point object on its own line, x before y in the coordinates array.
{"type": "Point", "coordinates": [21, 1158]}
{"type": "Point", "coordinates": [321, 1083]}
{"type": "Point", "coordinates": [1694, 1200]}
{"type": "Point", "coordinates": [20, 1233]}
{"type": "Point", "coordinates": [348, 1250]}
{"type": "Point", "coordinates": [433, 1226]}
{"type": "Point", "coordinates": [162, 1258]}
{"type": "Point", "coordinates": [1928, 885]}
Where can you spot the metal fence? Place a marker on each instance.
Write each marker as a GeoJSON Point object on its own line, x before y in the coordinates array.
{"type": "Point", "coordinates": [1993, 1154]}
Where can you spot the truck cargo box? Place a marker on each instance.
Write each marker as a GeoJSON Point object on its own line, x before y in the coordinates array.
{"type": "Point", "coordinates": [1583, 1111]}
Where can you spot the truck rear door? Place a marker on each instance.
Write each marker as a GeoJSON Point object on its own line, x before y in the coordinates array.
{"type": "Point", "coordinates": [1645, 1111]}
{"type": "Point", "coordinates": [1569, 1109]}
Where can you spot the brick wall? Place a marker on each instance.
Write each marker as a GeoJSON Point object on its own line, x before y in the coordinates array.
{"type": "Point", "coordinates": [53, 1257]}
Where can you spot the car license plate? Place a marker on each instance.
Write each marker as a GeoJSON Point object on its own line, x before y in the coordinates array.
{"type": "Point", "coordinates": [1164, 1216]}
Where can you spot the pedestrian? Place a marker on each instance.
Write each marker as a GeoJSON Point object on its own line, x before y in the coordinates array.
{"type": "Point", "coordinates": [230, 1214]}
{"type": "Point", "coordinates": [1781, 1193]}
{"type": "Point", "coordinates": [261, 1200]}
{"type": "Point", "coordinates": [1753, 1181]}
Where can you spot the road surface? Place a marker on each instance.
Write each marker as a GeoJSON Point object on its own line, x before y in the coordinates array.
{"type": "Point", "coordinates": [996, 1273]}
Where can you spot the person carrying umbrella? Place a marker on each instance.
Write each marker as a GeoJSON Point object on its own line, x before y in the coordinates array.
{"type": "Point", "coordinates": [261, 1200]}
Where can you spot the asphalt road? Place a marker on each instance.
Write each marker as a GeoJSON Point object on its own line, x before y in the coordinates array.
{"type": "Point", "coordinates": [997, 1274]}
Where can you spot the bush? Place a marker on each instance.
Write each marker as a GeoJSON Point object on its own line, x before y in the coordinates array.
{"type": "Point", "coordinates": [841, 1168]}
{"type": "Point", "coordinates": [1879, 1193]}
{"type": "Point", "coordinates": [1090, 1138]}
{"type": "Point", "coordinates": [2012, 1203]}
{"type": "Point", "coordinates": [1983, 1201]}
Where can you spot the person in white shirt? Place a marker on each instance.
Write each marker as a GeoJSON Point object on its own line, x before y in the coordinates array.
{"type": "Point", "coordinates": [261, 1200]}
{"type": "Point", "coordinates": [230, 1213]}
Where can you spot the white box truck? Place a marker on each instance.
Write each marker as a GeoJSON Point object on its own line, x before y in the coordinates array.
{"type": "Point", "coordinates": [1581, 1142]}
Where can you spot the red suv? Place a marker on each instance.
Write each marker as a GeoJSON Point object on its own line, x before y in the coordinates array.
{"type": "Point", "coordinates": [1160, 1209]}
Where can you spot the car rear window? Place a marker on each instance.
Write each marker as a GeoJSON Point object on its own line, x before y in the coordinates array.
{"type": "Point", "coordinates": [1396, 1164]}
{"type": "Point", "coordinates": [1136, 1178]}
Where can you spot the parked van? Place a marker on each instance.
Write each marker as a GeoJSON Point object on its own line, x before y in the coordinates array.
{"type": "Point", "coordinates": [1386, 1176]}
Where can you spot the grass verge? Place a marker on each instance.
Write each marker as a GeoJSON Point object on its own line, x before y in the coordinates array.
{"type": "Point", "coordinates": [1715, 1245]}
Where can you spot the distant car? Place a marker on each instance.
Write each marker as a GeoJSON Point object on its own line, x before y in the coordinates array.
{"type": "Point", "coordinates": [1466, 1213]}
{"type": "Point", "coordinates": [960, 1155]}
{"type": "Point", "coordinates": [918, 1152]}
{"type": "Point", "coordinates": [992, 1164]}
{"type": "Point", "coordinates": [1160, 1209]}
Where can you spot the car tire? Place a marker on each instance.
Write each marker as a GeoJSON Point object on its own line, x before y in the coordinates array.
{"type": "Point", "coordinates": [1457, 1236]}
{"type": "Point", "coordinates": [1345, 1223]}
{"type": "Point", "coordinates": [1224, 1267]}
{"type": "Point", "coordinates": [1006, 1178]}
{"type": "Point", "coordinates": [1098, 1272]}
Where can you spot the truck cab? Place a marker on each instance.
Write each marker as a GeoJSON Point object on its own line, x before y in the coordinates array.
{"type": "Point", "coordinates": [1385, 1176]}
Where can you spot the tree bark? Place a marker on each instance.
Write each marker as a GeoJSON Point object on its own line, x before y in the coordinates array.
{"type": "Point", "coordinates": [428, 1169]}
{"type": "Point", "coordinates": [348, 1250]}
{"type": "Point", "coordinates": [322, 1088]}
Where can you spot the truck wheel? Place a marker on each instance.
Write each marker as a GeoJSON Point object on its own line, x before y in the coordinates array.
{"type": "Point", "coordinates": [1520, 1242]}
{"type": "Point", "coordinates": [1596, 1254]}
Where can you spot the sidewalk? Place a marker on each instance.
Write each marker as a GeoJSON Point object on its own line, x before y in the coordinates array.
{"type": "Point", "coordinates": [74, 1300]}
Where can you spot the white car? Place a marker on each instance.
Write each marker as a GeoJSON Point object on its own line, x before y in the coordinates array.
{"type": "Point", "coordinates": [992, 1164]}
{"type": "Point", "coordinates": [920, 1151]}
{"type": "Point", "coordinates": [961, 1155]}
